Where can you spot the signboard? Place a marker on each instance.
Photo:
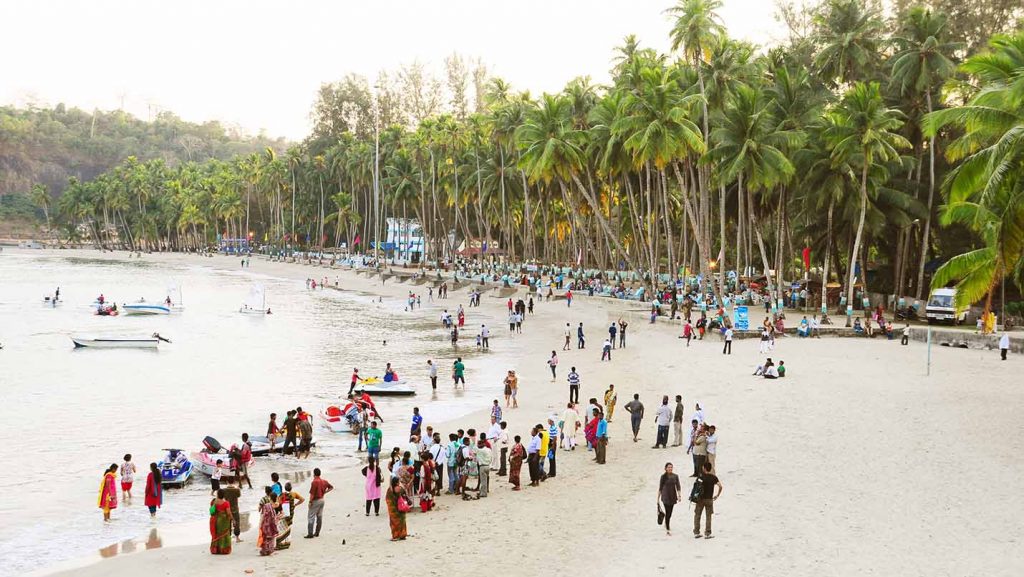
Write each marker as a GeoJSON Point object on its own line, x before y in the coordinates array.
{"type": "Point", "coordinates": [740, 319]}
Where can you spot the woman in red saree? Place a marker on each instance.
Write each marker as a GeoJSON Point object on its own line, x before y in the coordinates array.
{"type": "Point", "coordinates": [396, 517]}
{"type": "Point", "coordinates": [108, 491]}
{"type": "Point", "coordinates": [515, 462]}
{"type": "Point", "coordinates": [154, 489]}
{"type": "Point", "coordinates": [220, 525]}
{"type": "Point", "coordinates": [590, 432]}
{"type": "Point", "coordinates": [267, 539]}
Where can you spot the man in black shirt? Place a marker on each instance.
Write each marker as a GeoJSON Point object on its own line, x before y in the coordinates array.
{"type": "Point", "coordinates": [706, 502]}
{"type": "Point", "coordinates": [290, 426]}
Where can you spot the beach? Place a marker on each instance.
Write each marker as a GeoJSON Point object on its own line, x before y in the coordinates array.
{"type": "Point", "coordinates": [856, 463]}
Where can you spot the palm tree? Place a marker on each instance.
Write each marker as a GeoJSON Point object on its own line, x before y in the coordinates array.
{"type": "Point", "coordinates": [921, 66]}
{"type": "Point", "coordinates": [861, 132]}
{"type": "Point", "coordinates": [848, 34]}
{"type": "Point", "coordinates": [40, 196]}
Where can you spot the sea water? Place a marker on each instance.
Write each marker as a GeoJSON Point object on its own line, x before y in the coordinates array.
{"type": "Point", "coordinates": [70, 413]}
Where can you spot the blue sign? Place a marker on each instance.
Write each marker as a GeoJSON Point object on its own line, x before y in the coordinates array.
{"type": "Point", "coordinates": [740, 319]}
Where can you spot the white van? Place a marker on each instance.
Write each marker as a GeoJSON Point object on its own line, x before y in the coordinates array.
{"type": "Point", "coordinates": [940, 308]}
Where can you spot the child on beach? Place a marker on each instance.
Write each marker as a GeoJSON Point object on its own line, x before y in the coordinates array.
{"type": "Point", "coordinates": [127, 477]}
{"type": "Point", "coordinates": [215, 477]}
{"type": "Point", "coordinates": [273, 431]}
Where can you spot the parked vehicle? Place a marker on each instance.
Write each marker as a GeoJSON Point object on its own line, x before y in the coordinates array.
{"type": "Point", "coordinates": [941, 307]}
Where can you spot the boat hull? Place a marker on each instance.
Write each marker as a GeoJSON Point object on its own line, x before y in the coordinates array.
{"type": "Point", "coordinates": [114, 343]}
{"type": "Point", "coordinates": [175, 476]}
{"type": "Point", "coordinates": [260, 446]}
{"type": "Point", "coordinates": [206, 463]}
{"type": "Point", "coordinates": [141, 309]}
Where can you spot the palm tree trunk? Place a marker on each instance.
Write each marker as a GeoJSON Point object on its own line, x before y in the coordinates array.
{"type": "Point", "coordinates": [928, 215]}
{"type": "Point", "coordinates": [828, 255]}
{"type": "Point", "coordinates": [860, 233]}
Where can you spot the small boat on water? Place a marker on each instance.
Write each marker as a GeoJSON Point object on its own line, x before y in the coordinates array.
{"type": "Point", "coordinates": [342, 420]}
{"type": "Point", "coordinates": [379, 387]}
{"type": "Point", "coordinates": [205, 460]}
{"type": "Point", "coordinates": [256, 302]}
{"type": "Point", "coordinates": [107, 311]}
{"type": "Point", "coordinates": [144, 308]}
{"type": "Point", "coordinates": [117, 342]}
{"type": "Point", "coordinates": [175, 469]}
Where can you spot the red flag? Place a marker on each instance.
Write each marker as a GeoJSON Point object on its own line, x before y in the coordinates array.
{"type": "Point", "coordinates": [807, 258]}
{"type": "Point", "coordinates": [357, 240]}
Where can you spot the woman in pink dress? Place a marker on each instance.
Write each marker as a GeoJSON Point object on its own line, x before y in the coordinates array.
{"type": "Point", "coordinates": [108, 491]}
{"type": "Point", "coordinates": [373, 480]}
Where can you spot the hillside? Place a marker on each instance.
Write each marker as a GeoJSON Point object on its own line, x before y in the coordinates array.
{"type": "Point", "coordinates": [46, 146]}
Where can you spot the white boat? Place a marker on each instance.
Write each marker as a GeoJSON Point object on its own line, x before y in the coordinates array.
{"type": "Point", "coordinates": [256, 302]}
{"type": "Point", "coordinates": [117, 342]}
{"type": "Point", "coordinates": [381, 388]}
{"type": "Point", "coordinates": [144, 308]}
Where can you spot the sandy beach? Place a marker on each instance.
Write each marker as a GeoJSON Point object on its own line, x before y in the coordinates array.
{"type": "Point", "coordinates": [856, 463]}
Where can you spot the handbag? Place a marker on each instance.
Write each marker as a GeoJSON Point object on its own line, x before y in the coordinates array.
{"type": "Point", "coordinates": [404, 506]}
{"type": "Point", "coordinates": [661, 514]}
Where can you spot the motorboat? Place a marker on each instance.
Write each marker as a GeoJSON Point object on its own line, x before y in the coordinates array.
{"type": "Point", "coordinates": [256, 302]}
{"type": "Point", "coordinates": [205, 460]}
{"type": "Point", "coordinates": [144, 308]}
{"type": "Point", "coordinates": [342, 420]}
{"type": "Point", "coordinates": [378, 387]}
{"type": "Point", "coordinates": [115, 342]}
{"type": "Point", "coordinates": [107, 310]}
{"type": "Point", "coordinates": [175, 468]}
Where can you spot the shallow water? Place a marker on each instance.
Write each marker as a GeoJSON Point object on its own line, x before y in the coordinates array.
{"type": "Point", "coordinates": [78, 411]}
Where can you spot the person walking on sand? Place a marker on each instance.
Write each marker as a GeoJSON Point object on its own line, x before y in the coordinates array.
{"type": "Point", "coordinates": [610, 397]}
{"type": "Point", "coordinates": [432, 370]}
{"type": "Point", "coordinates": [1004, 345]}
{"type": "Point", "coordinates": [669, 493]}
{"type": "Point", "coordinates": [677, 422]}
{"type": "Point", "coordinates": [154, 496]}
{"type": "Point", "coordinates": [515, 462]}
{"type": "Point", "coordinates": [485, 336]}
{"type": "Point", "coordinates": [568, 337]}
{"type": "Point", "coordinates": [636, 414]}
{"type": "Point", "coordinates": [710, 491]}
{"type": "Point", "coordinates": [374, 478]}
{"type": "Point", "coordinates": [552, 364]}
{"type": "Point", "coordinates": [574, 386]}
{"type": "Point", "coordinates": [662, 418]}
{"type": "Point", "coordinates": [108, 491]}
{"type": "Point", "coordinates": [318, 488]}
{"type": "Point", "coordinates": [727, 348]}
{"type": "Point", "coordinates": [512, 389]}
{"type": "Point", "coordinates": [459, 373]}
{"type": "Point", "coordinates": [127, 478]}
{"type": "Point", "coordinates": [581, 341]}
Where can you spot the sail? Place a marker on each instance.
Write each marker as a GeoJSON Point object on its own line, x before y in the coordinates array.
{"type": "Point", "coordinates": [257, 297]}
{"type": "Point", "coordinates": [174, 293]}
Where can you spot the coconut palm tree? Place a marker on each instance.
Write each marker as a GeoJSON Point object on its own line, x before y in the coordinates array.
{"type": "Point", "coordinates": [862, 132]}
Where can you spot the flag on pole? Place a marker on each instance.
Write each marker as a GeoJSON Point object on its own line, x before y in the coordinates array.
{"type": "Point", "coordinates": [807, 258]}
{"type": "Point", "coordinates": [357, 240]}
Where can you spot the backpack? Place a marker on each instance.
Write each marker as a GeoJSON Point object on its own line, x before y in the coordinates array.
{"type": "Point", "coordinates": [697, 490]}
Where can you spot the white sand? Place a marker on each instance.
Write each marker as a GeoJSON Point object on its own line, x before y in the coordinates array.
{"type": "Point", "coordinates": [854, 464]}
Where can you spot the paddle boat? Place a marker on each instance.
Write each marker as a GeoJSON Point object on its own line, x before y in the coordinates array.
{"type": "Point", "coordinates": [115, 342]}
{"type": "Point", "coordinates": [175, 468]}
{"type": "Point", "coordinates": [141, 307]}
{"type": "Point", "coordinates": [342, 420]}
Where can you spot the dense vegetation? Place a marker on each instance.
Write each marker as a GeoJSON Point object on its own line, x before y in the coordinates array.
{"type": "Point", "coordinates": [885, 143]}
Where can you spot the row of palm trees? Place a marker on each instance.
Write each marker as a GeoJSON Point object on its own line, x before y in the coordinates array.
{"type": "Point", "coordinates": [712, 158]}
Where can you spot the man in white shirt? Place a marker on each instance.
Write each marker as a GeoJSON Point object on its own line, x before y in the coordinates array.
{"type": "Point", "coordinates": [727, 349]}
{"type": "Point", "coordinates": [503, 447]}
{"type": "Point", "coordinates": [570, 421]}
{"type": "Point", "coordinates": [712, 446]}
{"type": "Point", "coordinates": [433, 373]}
{"type": "Point", "coordinates": [492, 437]}
{"type": "Point", "coordinates": [440, 454]}
{"type": "Point", "coordinates": [485, 334]}
{"type": "Point", "coordinates": [1004, 345]}
{"type": "Point", "coordinates": [698, 414]}
{"type": "Point", "coordinates": [568, 337]}
{"type": "Point", "coordinates": [663, 418]}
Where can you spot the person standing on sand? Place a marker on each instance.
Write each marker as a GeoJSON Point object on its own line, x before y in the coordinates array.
{"type": "Point", "coordinates": [669, 493]}
{"type": "Point", "coordinates": [727, 348]}
{"type": "Point", "coordinates": [220, 525]}
{"type": "Point", "coordinates": [515, 462]}
{"type": "Point", "coordinates": [318, 488]}
{"type": "Point", "coordinates": [232, 493]}
{"type": "Point", "coordinates": [677, 422]}
{"type": "Point", "coordinates": [374, 478]}
{"type": "Point", "coordinates": [374, 439]}
{"type": "Point", "coordinates": [568, 337]}
{"type": "Point", "coordinates": [485, 335]}
{"type": "Point", "coordinates": [512, 389]}
{"type": "Point", "coordinates": [432, 369]}
{"type": "Point", "coordinates": [108, 491]}
{"type": "Point", "coordinates": [574, 386]}
{"type": "Point", "coordinates": [581, 341]}
{"type": "Point", "coordinates": [417, 423]}
{"type": "Point", "coordinates": [606, 350]}
{"type": "Point", "coordinates": [610, 397]}
{"type": "Point", "coordinates": [533, 457]}
{"type": "Point", "coordinates": [612, 331]}
{"type": "Point", "coordinates": [712, 446]}
{"type": "Point", "coordinates": [622, 333]}
{"type": "Point", "coordinates": [1004, 345]}
{"type": "Point", "coordinates": [459, 373]}
{"type": "Point", "coordinates": [570, 424]}
{"type": "Point", "coordinates": [154, 496]}
{"type": "Point", "coordinates": [552, 364]}
{"type": "Point", "coordinates": [503, 446]}
{"type": "Point", "coordinates": [127, 478]}
{"type": "Point", "coordinates": [698, 447]}
{"type": "Point", "coordinates": [662, 418]}
{"type": "Point", "coordinates": [602, 438]}
{"type": "Point", "coordinates": [706, 502]}
{"type": "Point", "coordinates": [636, 414]}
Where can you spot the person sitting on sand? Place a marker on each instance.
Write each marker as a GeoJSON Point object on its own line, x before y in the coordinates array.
{"type": "Point", "coordinates": [760, 370]}
{"type": "Point", "coordinates": [770, 372]}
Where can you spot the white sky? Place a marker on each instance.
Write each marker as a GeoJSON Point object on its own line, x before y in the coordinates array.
{"type": "Point", "coordinates": [258, 64]}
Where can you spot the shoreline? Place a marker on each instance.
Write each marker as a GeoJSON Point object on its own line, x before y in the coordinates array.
{"type": "Point", "coordinates": [782, 512]}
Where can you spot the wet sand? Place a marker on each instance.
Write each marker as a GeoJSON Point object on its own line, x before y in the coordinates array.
{"type": "Point", "coordinates": [855, 464]}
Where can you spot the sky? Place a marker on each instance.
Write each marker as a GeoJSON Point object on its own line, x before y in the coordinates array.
{"type": "Point", "coordinates": [257, 64]}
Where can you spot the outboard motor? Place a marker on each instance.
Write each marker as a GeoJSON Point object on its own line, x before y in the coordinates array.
{"type": "Point", "coordinates": [212, 445]}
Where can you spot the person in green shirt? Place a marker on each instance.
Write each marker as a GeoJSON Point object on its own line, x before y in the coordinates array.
{"type": "Point", "coordinates": [374, 438]}
{"type": "Point", "coordinates": [458, 372]}
{"type": "Point", "coordinates": [782, 369]}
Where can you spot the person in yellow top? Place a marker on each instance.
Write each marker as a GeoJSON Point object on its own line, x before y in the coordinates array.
{"type": "Point", "coordinates": [610, 396]}
{"type": "Point", "coordinates": [545, 440]}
